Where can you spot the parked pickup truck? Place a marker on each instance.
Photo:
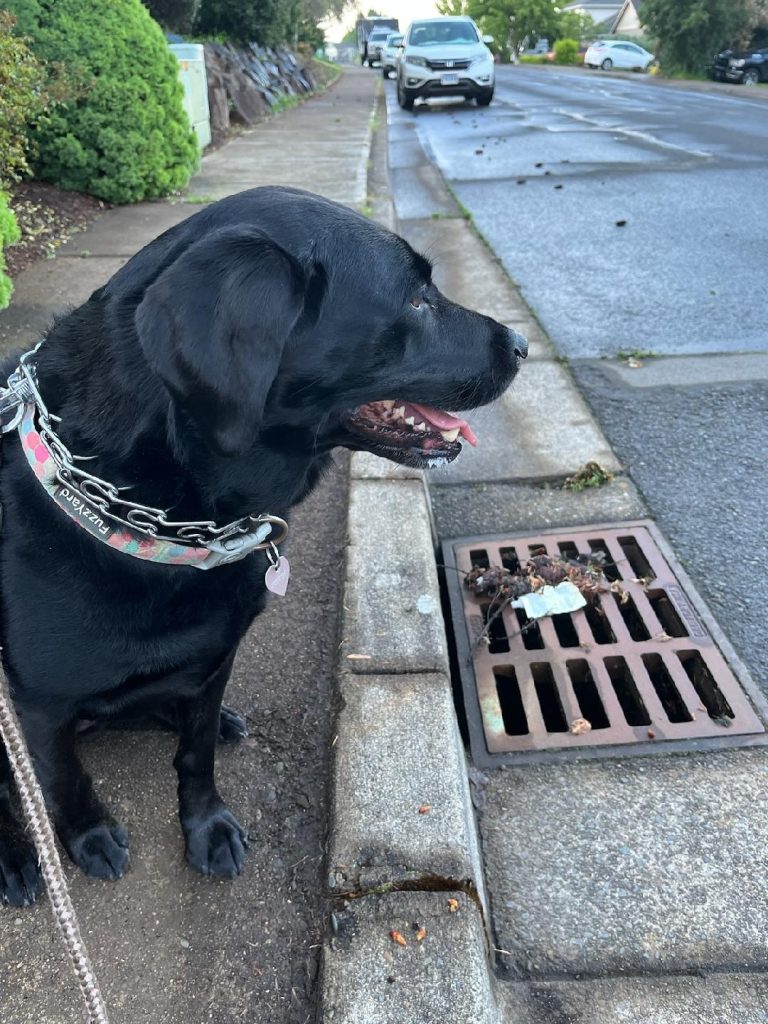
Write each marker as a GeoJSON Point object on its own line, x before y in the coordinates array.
{"type": "Point", "coordinates": [748, 66]}
{"type": "Point", "coordinates": [370, 49]}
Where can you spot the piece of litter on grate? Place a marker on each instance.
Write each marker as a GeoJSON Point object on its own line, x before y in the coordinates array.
{"type": "Point", "coordinates": [559, 600]}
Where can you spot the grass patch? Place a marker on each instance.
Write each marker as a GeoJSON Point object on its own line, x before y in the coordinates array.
{"type": "Point", "coordinates": [199, 200]}
{"type": "Point", "coordinates": [636, 355]}
{"type": "Point", "coordinates": [592, 474]}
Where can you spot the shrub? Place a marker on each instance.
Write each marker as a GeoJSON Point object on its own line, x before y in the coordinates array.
{"type": "Point", "coordinates": [9, 232]}
{"type": "Point", "coordinates": [21, 84]}
{"type": "Point", "coordinates": [125, 136]}
{"type": "Point", "coordinates": [566, 51]}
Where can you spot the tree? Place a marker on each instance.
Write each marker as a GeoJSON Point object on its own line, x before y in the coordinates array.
{"type": "Point", "coordinates": [175, 15]}
{"type": "Point", "coordinates": [512, 23]}
{"type": "Point", "coordinates": [690, 31]}
{"type": "Point", "coordinates": [267, 22]}
{"type": "Point", "coordinates": [258, 21]}
{"type": "Point", "coordinates": [574, 25]}
{"type": "Point", "coordinates": [125, 136]}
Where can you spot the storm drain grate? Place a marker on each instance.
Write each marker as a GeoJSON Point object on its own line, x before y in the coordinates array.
{"type": "Point", "coordinates": [645, 672]}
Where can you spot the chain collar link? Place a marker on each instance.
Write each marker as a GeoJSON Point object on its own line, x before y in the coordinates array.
{"type": "Point", "coordinates": [238, 535]}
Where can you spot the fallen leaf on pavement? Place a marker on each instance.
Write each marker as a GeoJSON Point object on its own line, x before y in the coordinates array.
{"type": "Point", "coordinates": [453, 905]}
{"type": "Point", "coordinates": [425, 808]}
{"type": "Point", "coordinates": [397, 937]}
{"type": "Point", "coordinates": [421, 934]}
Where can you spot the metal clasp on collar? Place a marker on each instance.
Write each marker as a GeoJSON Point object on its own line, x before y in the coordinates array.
{"type": "Point", "coordinates": [12, 402]}
{"type": "Point", "coordinates": [222, 552]}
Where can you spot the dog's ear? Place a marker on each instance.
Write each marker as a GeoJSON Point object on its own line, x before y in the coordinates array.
{"type": "Point", "coordinates": [213, 326]}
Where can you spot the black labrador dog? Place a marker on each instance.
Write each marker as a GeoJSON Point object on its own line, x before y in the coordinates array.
{"type": "Point", "coordinates": [212, 376]}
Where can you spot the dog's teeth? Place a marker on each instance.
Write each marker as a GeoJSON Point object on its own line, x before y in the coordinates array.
{"type": "Point", "coordinates": [400, 411]}
{"type": "Point", "coordinates": [389, 403]}
{"type": "Point", "coordinates": [410, 421]}
{"type": "Point", "coordinates": [450, 435]}
{"type": "Point", "coordinates": [421, 426]}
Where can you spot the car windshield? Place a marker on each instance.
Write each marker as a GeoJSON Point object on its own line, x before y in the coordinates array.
{"type": "Point", "coordinates": [378, 36]}
{"type": "Point", "coordinates": [434, 33]}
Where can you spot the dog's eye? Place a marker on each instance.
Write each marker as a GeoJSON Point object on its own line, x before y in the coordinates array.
{"type": "Point", "coordinates": [417, 302]}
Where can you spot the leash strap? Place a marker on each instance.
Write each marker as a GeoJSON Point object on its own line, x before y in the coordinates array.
{"type": "Point", "coordinates": [32, 802]}
{"type": "Point", "coordinates": [33, 805]}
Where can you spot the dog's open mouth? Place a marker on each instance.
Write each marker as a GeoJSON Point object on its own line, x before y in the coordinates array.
{"type": "Point", "coordinates": [414, 435]}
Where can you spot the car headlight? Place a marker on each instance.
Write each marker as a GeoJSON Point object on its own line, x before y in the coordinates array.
{"type": "Point", "coordinates": [419, 62]}
{"type": "Point", "coordinates": [737, 63]}
{"type": "Point", "coordinates": [484, 58]}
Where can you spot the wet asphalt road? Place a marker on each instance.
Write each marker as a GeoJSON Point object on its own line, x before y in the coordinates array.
{"type": "Point", "coordinates": [561, 156]}
{"type": "Point", "coordinates": [683, 278]}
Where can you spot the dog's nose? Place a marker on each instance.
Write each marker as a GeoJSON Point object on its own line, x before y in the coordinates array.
{"type": "Point", "coordinates": [519, 344]}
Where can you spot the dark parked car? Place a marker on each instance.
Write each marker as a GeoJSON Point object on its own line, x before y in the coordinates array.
{"type": "Point", "coordinates": [746, 66]}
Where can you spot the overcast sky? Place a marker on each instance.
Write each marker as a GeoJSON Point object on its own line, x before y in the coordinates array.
{"type": "Point", "coordinates": [406, 10]}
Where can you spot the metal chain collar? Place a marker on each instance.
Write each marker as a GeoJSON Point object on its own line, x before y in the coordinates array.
{"type": "Point", "coordinates": [106, 497]}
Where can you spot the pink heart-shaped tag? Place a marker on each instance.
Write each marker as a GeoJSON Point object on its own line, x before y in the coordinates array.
{"type": "Point", "coordinates": [277, 577]}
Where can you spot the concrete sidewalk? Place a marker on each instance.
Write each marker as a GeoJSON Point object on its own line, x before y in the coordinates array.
{"type": "Point", "coordinates": [169, 946]}
{"type": "Point", "coordinates": [628, 872]}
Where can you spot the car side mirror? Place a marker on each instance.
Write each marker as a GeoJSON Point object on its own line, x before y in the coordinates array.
{"type": "Point", "coordinates": [487, 39]}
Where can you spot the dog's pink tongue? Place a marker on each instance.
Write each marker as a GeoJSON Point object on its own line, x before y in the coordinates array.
{"type": "Point", "coordinates": [444, 421]}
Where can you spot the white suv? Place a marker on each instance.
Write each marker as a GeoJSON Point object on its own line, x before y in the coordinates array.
{"type": "Point", "coordinates": [445, 57]}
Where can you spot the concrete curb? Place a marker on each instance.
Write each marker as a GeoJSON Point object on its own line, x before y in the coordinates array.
{"type": "Point", "coordinates": [403, 838]}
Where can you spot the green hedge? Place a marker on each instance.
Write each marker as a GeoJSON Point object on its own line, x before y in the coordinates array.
{"type": "Point", "coordinates": [124, 135]}
{"type": "Point", "coordinates": [22, 81]}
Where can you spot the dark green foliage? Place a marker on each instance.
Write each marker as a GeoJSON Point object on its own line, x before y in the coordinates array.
{"type": "Point", "coordinates": [690, 31]}
{"type": "Point", "coordinates": [257, 21]}
{"type": "Point", "coordinates": [174, 15]}
{"type": "Point", "coordinates": [125, 137]}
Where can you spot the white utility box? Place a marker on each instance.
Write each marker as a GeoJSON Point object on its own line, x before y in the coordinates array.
{"type": "Point", "coordinates": [191, 58]}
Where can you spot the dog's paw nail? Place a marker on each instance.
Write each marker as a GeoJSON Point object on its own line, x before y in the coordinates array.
{"type": "Point", "coordinates": [217, 845]}
{"type": "Point", "coordinates": [232, 726]}
{"type": "Point", "coordinates": [101, 852]}
{"type": "Point", "coordinates": [20, 879]}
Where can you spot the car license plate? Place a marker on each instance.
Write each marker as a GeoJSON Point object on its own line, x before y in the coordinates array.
{"type": "Point", "coordinates": [450, 79]}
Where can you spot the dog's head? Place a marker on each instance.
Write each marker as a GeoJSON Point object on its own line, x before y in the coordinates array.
{"type": "Point", "coordinates": [297, 320]}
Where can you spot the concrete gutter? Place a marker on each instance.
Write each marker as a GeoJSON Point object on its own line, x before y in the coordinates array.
{"type": "Point", "coordinates": [403, 850]}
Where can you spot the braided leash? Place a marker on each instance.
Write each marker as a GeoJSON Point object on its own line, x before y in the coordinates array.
{"type": "Point", "coordinates": [33, 805]}
{"type": "Point", "coordinates": [50, 864]}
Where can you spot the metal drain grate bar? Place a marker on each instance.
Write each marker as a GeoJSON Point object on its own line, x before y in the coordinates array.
{"type": "Point", "coordinates": [643, 671]}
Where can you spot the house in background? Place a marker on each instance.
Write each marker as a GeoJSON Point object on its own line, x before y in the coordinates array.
{"type": "Point", "coordinates": [627, 21]}
{"type": "Point", "coordinates": [602, 12]}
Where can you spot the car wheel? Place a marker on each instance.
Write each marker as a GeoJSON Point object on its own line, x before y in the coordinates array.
{"type": "Point", "coordinates": [384, 73]}
{"type": "Point", "coordinates": [607, 64]}
{"type": "Point", "coordinates": [484, 98]}
{"type": "Point", "coordinates": [750, 77]}
{"type": "Point", "coordinates": [405, 99]}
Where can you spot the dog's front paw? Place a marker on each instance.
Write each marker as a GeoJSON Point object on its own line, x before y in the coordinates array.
{"type": "Point", "coordinates": [101, 851]}
{"type": "Point", "coordinates": [20, 880]}
{"type": "Point", "coordinates": [216, 844]}
{"type": "Point", "coordinates": [232, 726]}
